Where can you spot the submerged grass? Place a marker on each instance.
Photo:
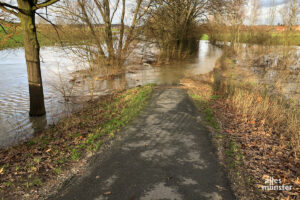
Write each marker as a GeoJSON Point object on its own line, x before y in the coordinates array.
{"type": "Point", "coordinates": [26, 167]}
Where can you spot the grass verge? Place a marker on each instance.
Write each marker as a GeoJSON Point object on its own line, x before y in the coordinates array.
{"type": "Point", "coordinates": [26, 168]}
{"type": "Point", "coordinates": [257, 135]}
{"type": "Point", "coordinates": [229, 151]}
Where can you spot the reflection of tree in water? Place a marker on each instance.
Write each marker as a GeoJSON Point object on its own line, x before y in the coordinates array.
{"type": "Point", "coordinates": [170, 75]}
{"type": "Point", "coordinates": [211, 52]}
{"type": "Point", "coordinates": [117, 82]}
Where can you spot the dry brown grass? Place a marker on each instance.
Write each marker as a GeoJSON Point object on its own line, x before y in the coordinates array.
{"type": "Point", "coordinates": [254, 101]}
{"type": "Point", "coordinates": [263, 125]}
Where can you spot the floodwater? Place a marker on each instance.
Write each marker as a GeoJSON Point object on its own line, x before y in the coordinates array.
{"type": "Point", "coordinates": [281, 74]}
{"type": "Point", "coordinates": [58, 67]}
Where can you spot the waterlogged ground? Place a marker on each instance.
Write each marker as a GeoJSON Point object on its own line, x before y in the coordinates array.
{"type": "Point", "coordinates": [277, 67]}
{"type": "Point", "coordinates": [290, 78]}
{"type": "Point", "coordinates": [58, 67]}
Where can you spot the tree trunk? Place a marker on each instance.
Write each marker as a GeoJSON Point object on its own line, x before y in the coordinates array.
{"type": "Point", "coordinates": [122, 28]}
{"type": "Point", "coordinates": [32, 55]}
{"type": "Point", "coordinates": [108, 33]}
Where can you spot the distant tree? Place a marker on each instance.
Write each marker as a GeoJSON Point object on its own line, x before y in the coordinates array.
{"type": "Point", "coordinates": [293, 13]}
{"type": "Point", "coordinates": [290, 16]}
{"type": "Point", "coordinates": [272, 13]}
{"type": "Point", "coordinates": [254, 11]}
{"type": "Point", "coordinates": [25, 11]}
{"type": "Point", "coordinates": [234, 17]}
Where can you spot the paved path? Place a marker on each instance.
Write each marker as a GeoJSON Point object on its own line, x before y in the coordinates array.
{"type": "Point", "coordinates": [164, 154]}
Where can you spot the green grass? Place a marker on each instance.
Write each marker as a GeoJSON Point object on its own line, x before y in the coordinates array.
{"type": "Point", "coordinates": [294, 38]}
{"type": "Point", "coordinates": [76, 154]}
{"type": "Point", "coordinates": [203, 105]}
{"type": "Point", "coordinates": [261, 38]}
{"type": "Point", "coordinates": [210, 117]}
{"type": "Point", "coordinates": [215, 97]}
{"type": "Point", "coordinates": [11, 39]}
{"type": "Point", "coordinates": [195, 96]}
{"type": "Point", "coordinates": [204, 37]}
{"type": "Point", "coordinates": [233, 154]}
{"type": "Point", "coordinates": [14, 39]}
{"type": "Point", "coordinates": [47, 36]}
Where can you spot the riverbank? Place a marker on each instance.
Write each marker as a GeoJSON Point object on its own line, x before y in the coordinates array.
{"type": "Point", "coordinates": [257, 135]}
{"type": "Point", "coordinates": [31, 169]}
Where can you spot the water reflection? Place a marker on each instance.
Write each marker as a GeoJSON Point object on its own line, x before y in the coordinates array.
{"type": "Point", "coordinates": [57, 67]}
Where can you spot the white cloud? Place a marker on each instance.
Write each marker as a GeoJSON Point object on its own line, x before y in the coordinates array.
{"type": "Point", "coordinates": [264, 11]}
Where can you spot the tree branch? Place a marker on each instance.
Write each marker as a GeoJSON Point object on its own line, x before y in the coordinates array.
{"type": "Point", "coordinates": [54, 26]}
{"type": "Point", "coordinates": [3, 29]}
{"type": "Point", "coordinates": [8, 5]}
{"type": "Point", "coordinates": [7, 33]}
{"type": "Point", "coordinates": [115, 10]}
{"type": "Point", "coordinates": [89, 23]}
{"type": "Point", "coordinates": [45, 4]}
{"type": "Point", "coordinates": [5, 6]}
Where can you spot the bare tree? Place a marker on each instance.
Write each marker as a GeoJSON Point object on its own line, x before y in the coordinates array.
{"type": "Point", "coordinates": [25, 11]}
{"type": "Point", "coordinates": [290, 16]}
{"type": "Point", "coordinates": [111, 43]}
{"type": "Point", "coordinates": [235, 15]}
{"type": "Point", "coordinates": [217, 28]}
{"type": "Point", "coordinates": [272, 13]}
{"type": "Point", "coordinates": [254, 11]}
{"type": "Point", "coordinates": [290, 13]}
{"type": "Point", "coordinates": [228, 22]}
{"type": "Point", "coordinates": [293, 13]}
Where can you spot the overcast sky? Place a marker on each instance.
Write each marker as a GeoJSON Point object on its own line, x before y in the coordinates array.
{"type": "Point", "coordinates": [266, 5]}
